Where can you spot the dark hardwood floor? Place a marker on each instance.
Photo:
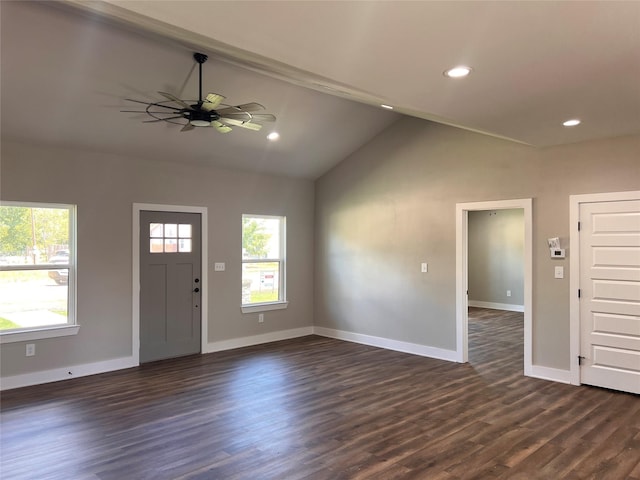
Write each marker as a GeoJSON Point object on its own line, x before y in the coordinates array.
{"type": "Point", "coordinates": [318, 408]}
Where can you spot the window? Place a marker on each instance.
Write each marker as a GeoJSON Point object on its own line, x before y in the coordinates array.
{"type": "Point", "coordinates": [169, 238]}
{"type": "Point", "coordinates": [37, 271]}
{"type": "Point", "coordinates": [263, 263]}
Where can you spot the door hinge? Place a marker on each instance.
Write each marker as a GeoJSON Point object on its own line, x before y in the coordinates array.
{"type": "Point", "coordinates": [578, 226]}
{"type": "Point", "coordinates": [580, 358]}
{"type": "Point", "coordinates": [579, 293]}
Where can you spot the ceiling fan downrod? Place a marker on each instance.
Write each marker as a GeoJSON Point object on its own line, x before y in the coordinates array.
{"type": "Point", "coordinates": [200, 58]}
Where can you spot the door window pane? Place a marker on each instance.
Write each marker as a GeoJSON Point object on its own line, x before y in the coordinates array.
{"type": "Point", "coordinates": [184, 245]}
{"type": "Point", "coordinates": [156, 245]}
{"type": "Point", "coordinates": [170, 245]}
{"type": "Point", "coordinates": [184, 230]}
{"type": "Point", "coordinates": [170, 230]}
{"type": "Point", "coordinates": [156, 230]}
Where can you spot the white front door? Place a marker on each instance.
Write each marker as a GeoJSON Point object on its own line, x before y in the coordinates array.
{"type": "Point", "coordinates": [610, 295]}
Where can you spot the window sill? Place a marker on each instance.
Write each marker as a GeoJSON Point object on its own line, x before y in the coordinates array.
{"type": "Point", "coordinates": [40, 333]}
{"type": "Point", "coordinates": [264, 307]}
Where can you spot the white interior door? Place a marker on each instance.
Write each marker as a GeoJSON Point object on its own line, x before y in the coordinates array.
{"type": "Point", "coordinates": [610, 295]}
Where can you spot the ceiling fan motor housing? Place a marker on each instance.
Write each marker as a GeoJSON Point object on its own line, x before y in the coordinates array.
{"type": "Point", "coordinates": [199, 116]}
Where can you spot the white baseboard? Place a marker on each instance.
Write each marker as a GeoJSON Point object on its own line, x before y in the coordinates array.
{"type": "Point", "coordinates": [552, 374]}
{"type": "Point", "coordinates": [497, 306]}
{"type": "Point", "coordinates": [397, 345]}
{"type": "Point", "coordinates": [257, 339]}
{"type": "Point", "coordinates": [57, 374]}
{"type": "Point", "coordinates": [65, 373]}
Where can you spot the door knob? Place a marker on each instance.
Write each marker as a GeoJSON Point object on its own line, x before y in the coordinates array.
{"type": "Point", "coordinates": [196, 290]}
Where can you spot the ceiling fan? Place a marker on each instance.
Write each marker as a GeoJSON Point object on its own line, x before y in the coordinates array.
{"type": "Point", "coordinates": [207, 112]}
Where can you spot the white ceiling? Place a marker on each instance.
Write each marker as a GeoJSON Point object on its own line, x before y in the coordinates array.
{"type": "Point", "coordinates": [535, 65]}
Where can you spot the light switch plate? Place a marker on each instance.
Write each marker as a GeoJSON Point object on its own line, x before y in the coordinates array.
{"type": "Point", "coordinates": [424, 268]}
{"type": "Point", "coordinates": [219, 267]}
{"type": "Point", "coordinates": [559, 272]}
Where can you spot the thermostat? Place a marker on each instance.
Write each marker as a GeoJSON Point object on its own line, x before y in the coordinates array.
{"type": "Point", "coordinates": [557, 252]}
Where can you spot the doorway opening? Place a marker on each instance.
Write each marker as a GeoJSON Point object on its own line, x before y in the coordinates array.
{"type": "Point", "coordinates": [462, 274]}
{"type": "Point", "coordinates": [496, 290]}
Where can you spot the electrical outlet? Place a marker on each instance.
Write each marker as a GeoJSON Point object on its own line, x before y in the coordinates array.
{"type": "Point", "coordinates": [31, 349]}
{"type": "Point", "coordinates": [260, 317]}
{"type": "Point", "coordinates": [508, 293]}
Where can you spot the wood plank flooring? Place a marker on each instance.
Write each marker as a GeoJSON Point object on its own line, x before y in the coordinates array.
{"type": "Point", "coordinates": [318, 408]}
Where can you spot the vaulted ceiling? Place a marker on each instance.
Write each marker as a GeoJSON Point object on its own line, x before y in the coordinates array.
{"type": "Point", "coordinates": [323, 68]}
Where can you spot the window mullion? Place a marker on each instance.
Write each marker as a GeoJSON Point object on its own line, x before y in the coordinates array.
{"type": "Point", "coordinates": [262, 260]}
{"type": "Point", "coordinates": [40, 266]}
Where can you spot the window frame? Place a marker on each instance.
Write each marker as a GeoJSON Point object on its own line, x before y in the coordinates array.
{"type": "Point", "coordinates": [282, 301]}
{"type": "Point", "coordinates": [71, 327]}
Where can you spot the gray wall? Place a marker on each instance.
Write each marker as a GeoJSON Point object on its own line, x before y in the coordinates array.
{"type": "Point", "coordinates": [104, 188]}
{"type": "Point", "coordinates": [391, 205]}
{"type": "Point", "coordinates": [385, 209]}
{"type": "Point", "coordinates": [496, 256]}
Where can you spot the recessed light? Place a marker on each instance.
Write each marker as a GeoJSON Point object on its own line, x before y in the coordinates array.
{"type": "Point", "coordinates": [273, 136]}
{"type": "Point", "coordinates": [458, 72]}
{"type": "Point", "coordinates": [388, 107]}
{"type": "Point", "coordinates": [572, 123]}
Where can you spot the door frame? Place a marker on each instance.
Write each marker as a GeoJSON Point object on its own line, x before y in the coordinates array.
{"type": "Point", "coordinates": [462, 273]}
{"type": "Point", "coordinates": [204, 300]}
{"type": "Point", "coordinates": [574, 268]}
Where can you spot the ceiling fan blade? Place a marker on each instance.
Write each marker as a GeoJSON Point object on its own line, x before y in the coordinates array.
{"type": "Point", "coordinates": [251, 126]}
{"type": "Point", "coordinates": [144, 111]}
{"type": "Point", "coordinates": [238, 123]}
{"type": "Point", "coordinates": [187, 127]}
{"type": "Point", "coordinates": [154, 104]}
{"type": "Point", "coordinates": [263, 117]}
{"type": "Point", "coordinates": [247, 107]}
{"type": "Point", "coordinates": [162, 119]}
{"type": "Point", "coordinates": [212, 101]}
{"type": "Point", "coordinates": [173, 98]}
{"type": "Point", "coordinates": [221, 127]}
{"type": "Point", "coordinates": [231, 121]}
{"type": "Point", "coordinates": [239, 116]}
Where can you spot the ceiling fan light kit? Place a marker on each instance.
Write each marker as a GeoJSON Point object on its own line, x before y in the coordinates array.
{"type": "Point", "coordinates": [205, 112]}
